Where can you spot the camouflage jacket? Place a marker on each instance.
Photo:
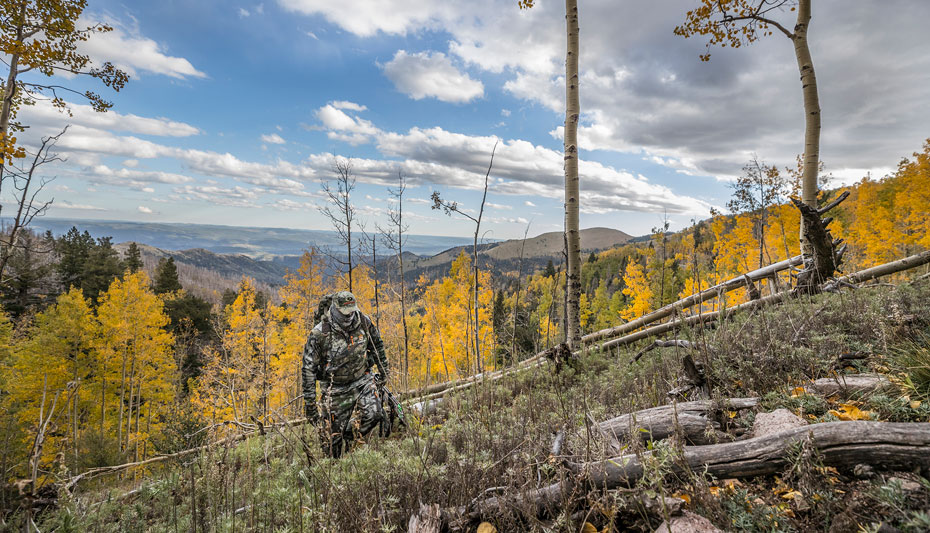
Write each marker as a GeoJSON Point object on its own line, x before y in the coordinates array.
{"type": "Point", "coordinates": [339, 357]}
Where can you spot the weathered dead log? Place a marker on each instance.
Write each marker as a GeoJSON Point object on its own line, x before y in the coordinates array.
{"type": "Point", "coordinates": [886, 269]}
{"type": "Point", "coordinates": [848, 384]}
{"type": "Point", "coordinates": [681, 305]}
{"type": "Point", "coordinates": [438, 389]}
{"type": "Point", "coordinates": [103, 470]}
{"type": "Point", "coordinates": [427, 520]}
{"type": "Point", "coordinates": [679, 343]}
{"type": "Point", "coordinates": [698, 421]}
{"type": "Point", "coordinates": [884, 445]}
{"type": "Point", "coordinates": [694, 421]}
{"type": "Point", "coordinates": [692, 320]}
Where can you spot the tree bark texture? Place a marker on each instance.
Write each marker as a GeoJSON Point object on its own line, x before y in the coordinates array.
{"type": "Point", "coordinates": [572, 235]}
{"type": "Point", "coordinates": [885, 445]}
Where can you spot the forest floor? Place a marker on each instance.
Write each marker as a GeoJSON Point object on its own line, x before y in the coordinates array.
{"type": "Point", "coordinates": [496, 438]}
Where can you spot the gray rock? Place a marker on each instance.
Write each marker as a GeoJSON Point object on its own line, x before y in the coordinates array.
{"type": "Point", "coordinates": [688, 522]}
{"type": "Point", "coordinates": [777, 421]}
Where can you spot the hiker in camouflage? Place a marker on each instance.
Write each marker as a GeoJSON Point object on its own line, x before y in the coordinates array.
{"type": "Point", "coordinates": [340, 353]}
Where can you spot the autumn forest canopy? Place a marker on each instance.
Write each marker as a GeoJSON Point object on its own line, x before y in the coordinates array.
{"type": "Point", "coordinates": [112, 356]}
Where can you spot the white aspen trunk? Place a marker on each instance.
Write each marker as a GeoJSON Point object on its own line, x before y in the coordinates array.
{"type": "Point", "coordinates": [403, 291]}
{"type": "Point", "coordinates": [122, 397]}
{"type": "Point", "coordinates": [812, 117]}
{"type": "Point", "coordinates": [10, 88]}
{"type": "Point", "coordinates": [573, 238]}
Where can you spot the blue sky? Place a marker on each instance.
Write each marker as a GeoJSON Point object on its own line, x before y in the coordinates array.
{"type": "Point", "coordinates": [235, 110]}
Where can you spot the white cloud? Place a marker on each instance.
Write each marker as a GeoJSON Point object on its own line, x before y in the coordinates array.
{"type": "Point", "coordinates": [529, 204]}
{"type": "Point", "coordinates": [368, 17]}
{"type": "Point", "coordinates": [45, 117]}
{"type": "Point", "coordinates": [343, 127]}
{"type": "Point", "coordinates": [644, 90]}
{"type": "Point", "coordinates": [243, 12]}
{"type": "Point", "coordinates": [226, 196]}
{"type": "Point", "coordinates": [145, 210]}
{"type": "Point", "coordinates": [128, 49]}
{"type": "Point", "coordinates": [286, 204]}
{"type": "Point", "coordinates": [499, 207]}
{"type": "Point", "coordinates": [131, 163]}
{"type": "Point", "coordinates": [64, 204]}
{"type": "Point", "coordinates": [351, 106]}
{"type": "Point", "coordinates": [505, 112]}
{"type": "Point", "coordinates": [273, 138]}
{"type": "Point", "coordinates": [134, 179]}
{"type": "Point", "coordinates": [431, 74]}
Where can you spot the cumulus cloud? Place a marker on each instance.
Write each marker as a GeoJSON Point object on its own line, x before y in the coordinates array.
{"type": "Point", "coordinates": [351, 106]}
{"type": "Point", "coordinates": [431, 75]}
{"type": "Point", "coordinates": [438, 157]}
{"type": "Point", "coordinates": [134, 179]}
{"type": "Point", "coordinates": [145, 210]}
{"type": "Point", "coordinates": [131, 51]}
{"type": "Point", "coordinates": [273, 138]}
{"type": "Point", "coordinates": [645, 91]}
{"type": "Point", "coordinates": [237, 196]}
{"type": "Point", "coordinates": [45, 117]}
{"type": "Point", "coordinates": [529, 204]}
{"type": "Point", "coordinates": [368, 17]}
{"type": "Point", "coordinates": [343, 127]}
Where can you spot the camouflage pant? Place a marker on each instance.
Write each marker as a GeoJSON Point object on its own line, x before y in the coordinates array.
{"type": "Point", "coordinates": [340, 403]}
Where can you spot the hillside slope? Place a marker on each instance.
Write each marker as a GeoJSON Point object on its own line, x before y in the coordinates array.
{"type": "Point", "coordinates": [496, 440]}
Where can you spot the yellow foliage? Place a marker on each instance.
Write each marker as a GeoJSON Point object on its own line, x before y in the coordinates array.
{"type": "Point", "coordinates": [848, 411]}
{"type": "Point", "coordinates": [136, 358]}
{"type": "Point", "coordinates": [637, 288]}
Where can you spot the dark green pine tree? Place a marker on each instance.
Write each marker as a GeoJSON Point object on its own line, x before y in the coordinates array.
{"type": "Point", "coordinates": [592, 258]}
{"type": "Point", "coordinates": [499, 314]}
{"type": "Point", "coordinates": [550, 270]}
{"type": "Point", "coordinates": [103, 265]}
{"type": "Point", "coordinates": [73, 249]}
{"type": "Point", "coordinates": [31, 283]}
{"type": "Point", "coordinates": [166, 277]}
{"type": "Point", "coordinates": [133, 258]}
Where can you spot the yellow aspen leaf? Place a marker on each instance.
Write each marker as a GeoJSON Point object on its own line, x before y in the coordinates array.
{"type": "Point", "coordinates": [714, 490]}
{"type": "Point", "coordinates": [486, 527]}
{"type": "Point", "coordinates": [683, 496]}
{"type": "Point", "coordinates": [798, 391]}
{"type": "Point", "coordinates": [790, 495]}
{"type": "Point", "coordinates": [588, 527]}
{"type": "Point", "coordinates": [915, 404]}
{"type": "Point", "coordinates": [848, 411]}
{"type": "Point", "coordinates": [731, 414]}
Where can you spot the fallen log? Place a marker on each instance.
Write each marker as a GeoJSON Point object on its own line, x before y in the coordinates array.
{"type": "Point", "coordinates": [692, 420]}
{"type": "Point", "coordinates": [886, 269]}
{"type": "Point", "coordinates": [678, 343]}
{"type": "Point", "coordinates": [698, 421]}
{"type": "Point", "coordinates": [681, 305]}
{"type": "Point", "coordinates": [848, 384]}
{"type": "Point", "coordinates": [884, 445]}
{"type": "Point", "coordinates": [694, 320]}
{"type": "Point", "coordinates": [103, 470]}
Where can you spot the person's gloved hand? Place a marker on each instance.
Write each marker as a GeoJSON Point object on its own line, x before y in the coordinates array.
{"type": "Point", "coordinates": [312, 413]}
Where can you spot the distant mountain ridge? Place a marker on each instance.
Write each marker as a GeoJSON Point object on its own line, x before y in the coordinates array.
{"type": "Point", "coordinates": [257, 243]}
{"type": "Point", "coordinates": [547, 245]}
{"type": "Point", "coordinates": [212, 258]}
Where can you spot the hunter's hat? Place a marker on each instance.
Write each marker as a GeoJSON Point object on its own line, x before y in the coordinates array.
{"type": "Point", "coordinates": [345, 302]}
